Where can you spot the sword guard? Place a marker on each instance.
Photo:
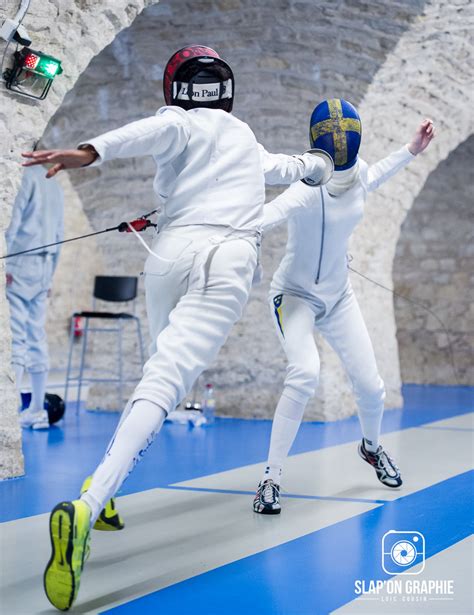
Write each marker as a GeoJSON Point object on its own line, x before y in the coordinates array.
{"type": "Point", "coordinates": [140, 224]}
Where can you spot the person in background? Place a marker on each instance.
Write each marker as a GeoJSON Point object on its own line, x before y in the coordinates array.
{"type": "Point", "coordinates": [37, 220]}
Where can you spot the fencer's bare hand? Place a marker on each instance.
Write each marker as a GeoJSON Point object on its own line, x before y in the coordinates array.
{"type": "Point", "coordinates": [9, 279]}
{"type": "Point", "coordinates": [60, 159]}
{"type": "Point", "coordinates": [423, 137]}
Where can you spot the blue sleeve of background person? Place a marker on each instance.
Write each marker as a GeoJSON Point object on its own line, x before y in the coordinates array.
{"type": "Point", "coordinates": [163, 136]}
{"type": "Point", "coordinates": [386, 168]}
{"type": "Point", "coordinates": [19, 206]}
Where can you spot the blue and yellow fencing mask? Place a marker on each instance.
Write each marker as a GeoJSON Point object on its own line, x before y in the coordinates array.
{"type": "Point", "coordinates": [335, 127]}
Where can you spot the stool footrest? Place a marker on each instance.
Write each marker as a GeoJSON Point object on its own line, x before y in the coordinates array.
{"type": "Point", "coordinates": [115, 315]}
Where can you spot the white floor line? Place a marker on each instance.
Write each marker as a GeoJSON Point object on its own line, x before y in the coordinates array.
{"type": "Point", "coordinates": [463, 421]}
{"type": "Point", "coordinates": [424, 456]}
{"type": "Point", "coordinates": [170, 536]}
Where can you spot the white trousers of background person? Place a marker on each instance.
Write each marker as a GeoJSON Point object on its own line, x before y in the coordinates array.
{"type": "Point", "coordinates": [344, 328]}
{"type": "Point", "coordinates": [27, 296]}
{"type": "Point", "coordinates": [28, 299]}
{"type": "Point", "coordinates": [197, 286]}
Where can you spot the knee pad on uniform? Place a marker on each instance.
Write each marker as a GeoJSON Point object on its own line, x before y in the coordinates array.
{"type": "Point", "coordinates": [301, 382]}
{"type": "Point", "coordinates": [38, 366]}
{"type": "Point", "coordinates": [370, 395]}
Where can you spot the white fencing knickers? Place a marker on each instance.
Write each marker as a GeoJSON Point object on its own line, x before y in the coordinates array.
{"type": "Point", "coordinates": [344, 328]}
{"type": "Point", "coordinates": [195, 293]}
{"type": "Point", "coordinates": [196, 289]}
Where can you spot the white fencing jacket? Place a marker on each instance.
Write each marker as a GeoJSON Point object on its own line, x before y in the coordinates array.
{"type": "Point", "coordinates": [37, 215]}
{"type": "Point", "coordinates": [319, 227]}
{"type": "Point", "coordinates": [210, 168]}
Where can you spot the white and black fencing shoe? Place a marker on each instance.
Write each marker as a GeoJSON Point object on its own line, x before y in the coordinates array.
{"type": "Point", "coordinates": [384, 466]}
{"type": "Point", "coordinates": [34, 419]}
{"type": "Point", "coordinates": [267, 498]}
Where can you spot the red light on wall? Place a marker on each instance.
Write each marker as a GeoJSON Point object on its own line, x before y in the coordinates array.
{"type": "Point", "coordinates": [31, 61]}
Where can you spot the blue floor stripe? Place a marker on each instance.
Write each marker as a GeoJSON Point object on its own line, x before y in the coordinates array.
{"type": "Point", "coordinates": [58, 460]}
{"type": "Point", "coordinates": [297, 496]}
{"type": "Point", "coordinates": [315, 574]}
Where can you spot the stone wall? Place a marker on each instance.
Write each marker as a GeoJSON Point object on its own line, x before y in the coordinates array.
{"type": "Point", "coordinates": [434, 264]}
{"type": "Point", "coordinates": [73, 281]}
{"type": "Point", "coordinates": [397, 60]}
{"type": "Point", "coordinates": [74, 31]}
{"type": "Point", "coordinates": [427, 75]}
{"type": "Point", "coordinates": [287, 55]}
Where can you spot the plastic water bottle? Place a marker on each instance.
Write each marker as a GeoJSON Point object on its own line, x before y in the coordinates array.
{"type": "Point", "coordinates": [209, 404]}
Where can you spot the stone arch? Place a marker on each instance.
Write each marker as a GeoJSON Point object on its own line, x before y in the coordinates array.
{"type": "Point", "coordinates": [392, 64]}
{"type": "Point", "coordinates": [382, 56]}
{"type": "Point", "coordinates": [438, 235]}
{"type": "Point", "coordinates": [75, 31]}
{"type": "Point", "coordinates": [427, 75]}
{"type": "Point", "coordinates": [283, 54]}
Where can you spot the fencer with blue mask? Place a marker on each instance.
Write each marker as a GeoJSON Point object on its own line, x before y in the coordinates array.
{"type": "Point", "coordinates": [37, 219]}
{"type": "Point", "coordinates": [311, 289]}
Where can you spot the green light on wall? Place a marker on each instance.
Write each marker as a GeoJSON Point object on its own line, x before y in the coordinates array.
{"type": "Point", "coordinates": [49, 67]}
{"type": "Point", "coordinates": [33, 73]}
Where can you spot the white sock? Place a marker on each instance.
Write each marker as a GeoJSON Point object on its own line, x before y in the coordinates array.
{"type": "Point", "coordinates": [128, 445]}
{"type": "Point", "coordinates": [94, 506]}
{"type": "Point", "coordinates": [273, 473]}
{"type": "Point", "coordinates": [38, 390]}
{"type": "Point", "coordinates": [286, 422]}
{"type": "Point", "coordinates": [19, 370]}
{"type": "Point", "coordinates": [370, 423]}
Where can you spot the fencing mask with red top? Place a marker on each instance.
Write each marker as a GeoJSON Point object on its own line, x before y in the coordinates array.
{"type": "Point", "coordinates": [196, 76]}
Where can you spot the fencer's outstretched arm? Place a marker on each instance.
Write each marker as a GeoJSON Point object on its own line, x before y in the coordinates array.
{"type": "Point", "coordinates": [164, 135]}
{"type": "Point", "coordinates": [281, 169]}
{"type": "Point", "coordinates": [288, 204]}
{"type": "Point", "coordinates": [382, 170]}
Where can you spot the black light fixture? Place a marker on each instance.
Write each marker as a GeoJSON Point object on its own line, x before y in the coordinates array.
{"type": "Point", "coordinates": [32, 73]}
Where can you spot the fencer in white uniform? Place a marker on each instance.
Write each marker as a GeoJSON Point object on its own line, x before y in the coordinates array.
{"type": "Point", "coordinates": [311, 289]}
{"type": "Point", "coordinates": [37, 220]}
{"type": "Point", "coordinates": [210, 179]}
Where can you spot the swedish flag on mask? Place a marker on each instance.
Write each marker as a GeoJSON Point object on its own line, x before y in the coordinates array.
{"type": "Point", "coordinates": [335, 127]}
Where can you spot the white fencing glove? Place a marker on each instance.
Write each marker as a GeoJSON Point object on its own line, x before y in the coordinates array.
{"type": "Point", "coordinates": [320, 167]}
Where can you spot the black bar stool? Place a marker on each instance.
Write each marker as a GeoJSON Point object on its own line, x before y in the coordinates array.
{"type": "Point", "coordinates": [114, 289]}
